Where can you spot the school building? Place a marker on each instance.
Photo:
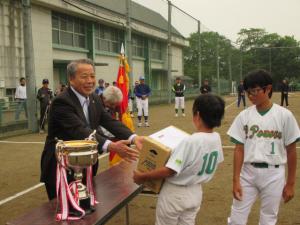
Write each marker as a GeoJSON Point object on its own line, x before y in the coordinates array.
{"type": "Point", "coordinates": [65, 30]}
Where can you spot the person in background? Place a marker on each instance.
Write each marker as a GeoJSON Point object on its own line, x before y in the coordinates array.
{"type": "Point", "coordinates": [21, 98]}
{"type": "Point", "coordinates": [106, 85]}
{"type": "Point", "coordinates": [205, 88]}
{"type": "Point", "coordinates": [114, 83]}
{"type": "Point", "coordinates": [99, 90]}
{"type": "Point", "coordinates": [179, 88]}
{"type": "Point", "coordinates": [58, 89]}
{"type": "Point", "coordinates": [130, 102]}
{"type": "Point", "coordinates": [142, 92]}
{"type": "Point", "coordinates": [193, 162]}
{"type": "Point", "coordinates": [284, 89]}
{"type": "Point", "coordinates": [241, 94]}
{"type": "Point", "coordinates": [63, 87]}
{"type": "Point", "coordinates": [111, 99]}
{"type": "Point", "coordinates": [136, 83]}
{"type": "Point", "coordinates": [45, 96]}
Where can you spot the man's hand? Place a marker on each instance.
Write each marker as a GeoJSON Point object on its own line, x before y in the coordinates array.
{"type": "Point", "coordinates": [125, 152]}
{"type": "Point", "coordinates": [288, 193]}
{"type": "Point", "coordinates": [237, 191]}
{"type": "Point", "coordinates": [138, 177]}
{"type": "Point", "coordinates": [138, 141]}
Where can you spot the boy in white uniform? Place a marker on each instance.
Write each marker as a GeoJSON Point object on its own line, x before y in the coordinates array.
{"type": "Point", "coordinates": [192, 162]}
{"type": "Point", "coordinates": [265, 135]}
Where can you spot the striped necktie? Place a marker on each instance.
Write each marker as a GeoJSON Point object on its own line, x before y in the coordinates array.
{"type": "Point", "coordinates": [85, 106]}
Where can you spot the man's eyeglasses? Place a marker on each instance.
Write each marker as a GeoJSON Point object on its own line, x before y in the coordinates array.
{"type": "Point", "coordinates": [254, 91]}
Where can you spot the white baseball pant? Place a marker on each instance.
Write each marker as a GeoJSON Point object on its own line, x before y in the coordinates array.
{"type": "Point", "coordinates": [268, 184]}
{"type": "Point", "coordinates": [178, 205]}
{"type": "Point", "coordinates": [142, 105]}
{"type": "Point", "coordinates": [179, 102]}
{"type": "Point", "coordinates": [130, 105]}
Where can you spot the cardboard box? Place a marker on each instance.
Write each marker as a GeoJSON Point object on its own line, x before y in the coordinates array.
{"type": "Point", "coordinates": [156, 151]}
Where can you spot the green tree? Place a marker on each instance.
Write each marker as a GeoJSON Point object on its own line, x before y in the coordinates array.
{"type": "Point", "coordinates": [279, 55]}
{"type": "Point", "coordinates": [255, 49]}
{"type": "Point", "coordinates": [212, 43]}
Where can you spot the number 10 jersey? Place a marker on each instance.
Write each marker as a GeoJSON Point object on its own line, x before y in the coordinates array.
{"type": "Point", "coordinates": [195, 159]}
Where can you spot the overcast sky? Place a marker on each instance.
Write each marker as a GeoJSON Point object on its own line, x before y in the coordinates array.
{"type": "Point", "coordinates": [227, 17]}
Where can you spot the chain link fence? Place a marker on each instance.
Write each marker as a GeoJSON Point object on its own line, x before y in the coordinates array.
{"type": "Point", "coordinates": [206, 55]}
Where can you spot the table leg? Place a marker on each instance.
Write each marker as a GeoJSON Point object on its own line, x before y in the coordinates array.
{"type": "Point", "coordinates": [127, 214]}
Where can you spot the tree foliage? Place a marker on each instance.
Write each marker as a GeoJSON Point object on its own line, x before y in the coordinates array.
{"type": "Point", "coordinates": [255, 48]}
{"type": "Point", "coordinates": [212, 46]}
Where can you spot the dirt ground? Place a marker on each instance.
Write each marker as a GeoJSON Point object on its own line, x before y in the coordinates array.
{"type": "Point", "coordinates": [20, 171]}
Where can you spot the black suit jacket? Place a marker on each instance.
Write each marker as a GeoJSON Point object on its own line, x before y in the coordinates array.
{"type": "Point", "coordinates": [67, 122]}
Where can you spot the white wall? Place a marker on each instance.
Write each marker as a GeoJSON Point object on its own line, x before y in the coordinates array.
{"type": "Point", "coordinates": [42, 44]}
{"type": "Point", "coordinates": [55, 78]}
{"type": "Point", "coordinates": [177, 63]}
{"type": "Point", "coordinates": [138, 69]}
{"type": "Point", "coordinates": [11, 44]}
{"type": "Point", "coordinates": [110, 73]}
{"type": "Point", "coordinates": [107, 73]}
{"type": "Point", "coordinates": [62, 54]}
{"type": "Point", "coordinates": [157, 65]}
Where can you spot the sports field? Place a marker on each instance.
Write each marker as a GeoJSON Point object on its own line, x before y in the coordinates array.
{"type": "Point", "coordinates": [20, 170]}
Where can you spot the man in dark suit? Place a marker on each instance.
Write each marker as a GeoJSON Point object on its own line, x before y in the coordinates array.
{"type": "Point", "coordinates": [74, 114]}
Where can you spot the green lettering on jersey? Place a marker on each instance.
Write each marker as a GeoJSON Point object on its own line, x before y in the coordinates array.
{"type": "Point", "coordinates": [209, 163]}
{"type": "Point", "coordinates": [273, 148]}
{"type": "Point", "coordinates": [255, 131]}
{"type": "Point", "coordinates": [178, 161]}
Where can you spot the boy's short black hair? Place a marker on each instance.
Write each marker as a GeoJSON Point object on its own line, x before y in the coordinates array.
{"type": "Point", "coordinates": [258, 78]}
{"type": "Point", "coordinates": [211, 109]}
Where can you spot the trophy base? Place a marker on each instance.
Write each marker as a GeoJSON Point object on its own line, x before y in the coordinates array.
{"type": "Point", "coordinates": [85, 204]}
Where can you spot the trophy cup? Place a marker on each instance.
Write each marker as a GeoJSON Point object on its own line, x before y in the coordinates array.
{"type": "Point", "coordinates": [78, 155]}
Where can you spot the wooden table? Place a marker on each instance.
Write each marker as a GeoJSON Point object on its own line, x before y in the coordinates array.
{"type": "Point", "coordinates": [114, 189]}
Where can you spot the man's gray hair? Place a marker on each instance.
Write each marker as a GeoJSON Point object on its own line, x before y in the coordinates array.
{"type": "Point", "coordinates": [112, 95]}
{"type": "Point", "coordinates": [72, 66]}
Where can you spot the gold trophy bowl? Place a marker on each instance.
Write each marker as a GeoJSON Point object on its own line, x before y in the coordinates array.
{"type": "Point", "coordinates": [78, 155]}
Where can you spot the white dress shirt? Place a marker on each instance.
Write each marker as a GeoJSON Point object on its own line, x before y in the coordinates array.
{"type": "Point", "coordinates": [21, 92]}
{"type": "Point", "coordinates": [84, 102]}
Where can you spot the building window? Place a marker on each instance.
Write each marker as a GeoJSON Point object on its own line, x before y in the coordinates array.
{"type": "Point", "coordinates": [156, 50]}
{"type": "Point", "coordinates": [138, 46]}
{"type": "Point", "coordinates": [10, 93]}
{"type": "Point", "coordinates": [67, 30]}
{"type": "Point", "coordinates": [108, 39]}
